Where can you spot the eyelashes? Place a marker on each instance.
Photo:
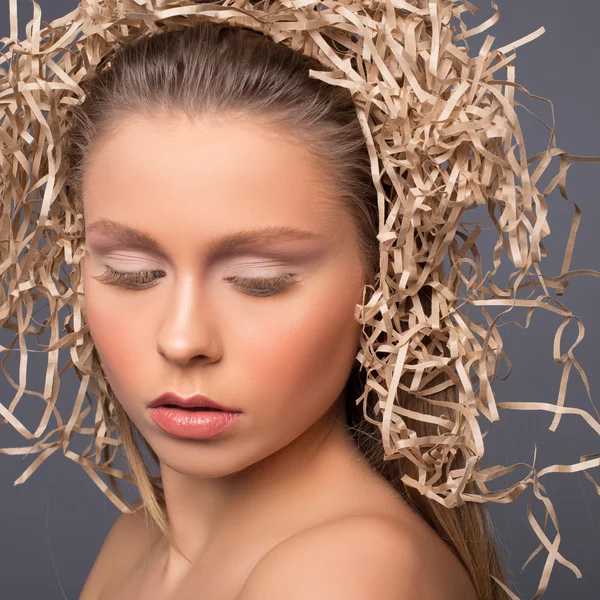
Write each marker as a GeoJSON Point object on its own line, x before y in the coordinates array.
{"type": "Point", "coordinates": [263, 286]}
{"type": "Point", "coordinates": [131, 280]}
{"type": "Point", "coordinates": [252, 286]}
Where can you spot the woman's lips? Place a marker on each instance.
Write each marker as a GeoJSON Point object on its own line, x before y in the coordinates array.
{"type": "Point", "coordinates": [195, 400]}
{"type": "Point", "coordinates": [193, 422]}
{"type": "Point", "coordinates": [192, 407]}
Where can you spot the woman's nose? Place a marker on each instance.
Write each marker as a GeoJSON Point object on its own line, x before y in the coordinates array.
{"type": "Point", "coordinates": [189, 328]}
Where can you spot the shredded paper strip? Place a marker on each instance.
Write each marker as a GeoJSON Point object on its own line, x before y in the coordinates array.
{"type": "Point", "coordinates": [442, 133]}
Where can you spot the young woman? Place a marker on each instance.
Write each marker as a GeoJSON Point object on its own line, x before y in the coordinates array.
{"type": "Point", "coordinates": [232, 235]}
{"type": "Point", "coordinates": [221, 262]}
{"type": "Point", "coordinates": [223, 259]}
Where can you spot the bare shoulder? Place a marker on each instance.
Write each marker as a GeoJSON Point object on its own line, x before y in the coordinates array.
{"type": "Point", "coordinates": [129, 535]}
{"type": "Point", "coordinates": [363, 556]}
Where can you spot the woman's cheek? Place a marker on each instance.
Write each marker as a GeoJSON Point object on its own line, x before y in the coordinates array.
{"type": "Point", "coordinates": [110, 332]}
{"type": "Point", "coordinates": [296, 359]}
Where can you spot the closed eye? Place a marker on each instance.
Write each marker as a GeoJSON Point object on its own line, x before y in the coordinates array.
{"type": "Point", "coordinates": [262, 286]}
{"type": "Point", "coordinates": [253, 286]}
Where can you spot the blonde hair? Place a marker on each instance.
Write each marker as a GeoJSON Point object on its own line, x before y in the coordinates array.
{"type": "Point", "coordinates": [405, 173]}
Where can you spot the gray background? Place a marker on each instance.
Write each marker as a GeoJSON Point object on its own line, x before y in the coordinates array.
{"type": "Point", "coordinates": [53, 525]}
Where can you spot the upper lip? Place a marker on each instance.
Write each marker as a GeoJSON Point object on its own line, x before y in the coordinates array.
{"type": "Point", "coordinates": [194, 400]}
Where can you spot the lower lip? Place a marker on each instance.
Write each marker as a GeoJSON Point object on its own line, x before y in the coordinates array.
{"type": "Point", "coordinates": [193, 424]}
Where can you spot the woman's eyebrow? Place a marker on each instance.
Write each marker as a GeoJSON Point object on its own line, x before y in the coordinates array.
{"type": "Point", "coordinates": [129, 237]}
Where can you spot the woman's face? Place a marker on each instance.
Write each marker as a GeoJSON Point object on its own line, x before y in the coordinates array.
{"type": "Point", "coordinates": [186, 326]}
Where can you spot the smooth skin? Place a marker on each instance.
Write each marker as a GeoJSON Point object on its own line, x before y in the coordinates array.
{"type": "Point", "coordinates": [282, 505]}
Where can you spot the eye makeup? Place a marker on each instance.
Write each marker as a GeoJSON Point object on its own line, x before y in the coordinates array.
{"type": "Point", "coordinates": [253, 286]}
{"type": "Point", "coordinates": [109, 234]}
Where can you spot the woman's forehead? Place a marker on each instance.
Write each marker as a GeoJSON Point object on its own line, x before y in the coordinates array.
{"type": "Point", "coordinates": [214, 164]}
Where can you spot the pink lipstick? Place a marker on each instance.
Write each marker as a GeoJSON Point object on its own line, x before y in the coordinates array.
{"type": "Point", "coordinates": [195, 417]}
